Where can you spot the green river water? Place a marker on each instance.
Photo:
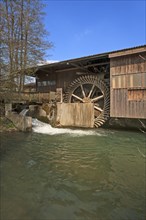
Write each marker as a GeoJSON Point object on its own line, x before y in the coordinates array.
{"type": "Point", "coordinates": [53, 174]}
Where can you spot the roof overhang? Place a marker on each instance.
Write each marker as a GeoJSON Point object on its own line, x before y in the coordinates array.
{"type": "Point", "coordinates": [73, 63]}
{"type": "Point", "coordinates": [127, 52]}
{"type": "Point", "coordinates": [84, 62]}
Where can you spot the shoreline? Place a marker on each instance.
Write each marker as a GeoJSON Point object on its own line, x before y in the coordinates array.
{"type": "Point", "coordinates": [6, 125]}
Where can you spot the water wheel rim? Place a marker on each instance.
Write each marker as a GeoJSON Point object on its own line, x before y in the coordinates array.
{"type": "Point", "coordinates": [94, 82]}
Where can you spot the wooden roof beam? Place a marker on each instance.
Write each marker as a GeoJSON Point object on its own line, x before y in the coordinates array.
{"type": "Point", "coordinates": [79, 67]}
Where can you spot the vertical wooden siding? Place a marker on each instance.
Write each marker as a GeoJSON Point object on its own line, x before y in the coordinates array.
{"type": "Point", "coordinates": [75, 114]}
{"type": "Point", "coordinates": [128, 86]}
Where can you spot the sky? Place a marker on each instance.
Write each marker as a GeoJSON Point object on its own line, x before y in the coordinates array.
{"type": "Point", "coordinates": [81, 28]}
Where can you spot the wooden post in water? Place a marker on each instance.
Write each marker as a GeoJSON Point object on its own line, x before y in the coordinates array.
{"type": "Point", "coordinates": [8, 108]}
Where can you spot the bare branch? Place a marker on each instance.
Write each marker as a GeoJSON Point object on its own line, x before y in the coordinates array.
{"type": "Point", "coordinates": [23, 38]}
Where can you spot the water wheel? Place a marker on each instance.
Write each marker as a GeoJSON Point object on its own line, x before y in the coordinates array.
{"type": "Point", "coordinates": [90, 89]}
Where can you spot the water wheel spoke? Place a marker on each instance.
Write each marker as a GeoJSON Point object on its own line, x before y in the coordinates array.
{"type": "Point", "coordinates": [97, 98]}
{"type": "Point", "coordinates": [83, 92]}
{"type": "Point", "coordinates": [91, 91]}
{"type": "Point", "coordinates": [98, 108]}
{"type": "Point", "coordinates": [77, 97]}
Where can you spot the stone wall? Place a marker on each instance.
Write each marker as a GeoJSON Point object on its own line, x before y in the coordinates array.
{"type": "Point", "coordinates": [23, 123]}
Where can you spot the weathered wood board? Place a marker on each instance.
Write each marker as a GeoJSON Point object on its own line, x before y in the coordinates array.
{"type": "Point", "coordinates": [75, 114]}
{"type": "Point", "coordinates": [128, 86]}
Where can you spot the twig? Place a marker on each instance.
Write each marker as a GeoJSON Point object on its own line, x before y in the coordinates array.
{"type": "Point", "coordinates": [142, 130]}
{"type": "Point", "coordinates": [141, 152]}
{"type": "Point", "coordinates": [143, 125]}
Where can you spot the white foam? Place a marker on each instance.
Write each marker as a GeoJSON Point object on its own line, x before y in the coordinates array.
{"type": "Point", "coordinates": [44, 128]}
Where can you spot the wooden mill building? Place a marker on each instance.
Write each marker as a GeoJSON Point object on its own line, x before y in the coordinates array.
{"type": "Point", "coordinates": [113, 83]}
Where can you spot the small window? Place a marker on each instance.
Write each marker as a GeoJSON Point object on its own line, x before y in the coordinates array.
{"type": "Point", "coordinates": [51, 83]}
{"type": "Point", "coordinates": [44, 83]}
{"type": "Point", "coordinates": [39, 83]}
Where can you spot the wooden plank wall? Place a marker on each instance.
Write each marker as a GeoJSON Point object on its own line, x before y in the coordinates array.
{"type": "Point", "coordinates": [75, 114]}
{"type": "Point", "coordinates": [128, 86]}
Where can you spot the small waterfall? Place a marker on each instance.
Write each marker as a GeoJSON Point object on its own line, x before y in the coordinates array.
{"type": "Point", "coordinates": [23, 112]}
{"type": "Point", "coordinates": [44, 128]}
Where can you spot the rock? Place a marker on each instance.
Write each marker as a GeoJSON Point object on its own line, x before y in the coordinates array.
{"type": "Point", "coordinates": [41, 112]}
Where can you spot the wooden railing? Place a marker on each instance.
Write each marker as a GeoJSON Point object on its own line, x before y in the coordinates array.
{"type": "Point", "coordinates": [8, 96]}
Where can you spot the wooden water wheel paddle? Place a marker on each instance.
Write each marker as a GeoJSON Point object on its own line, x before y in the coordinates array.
{"type": "Point", "coordinates": [90, 89]}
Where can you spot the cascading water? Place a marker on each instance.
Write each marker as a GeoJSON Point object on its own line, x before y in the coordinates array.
{"type": "Point", "coordinates": [44, 128]}
{"type": "Point", "coordinates": [23, 112]}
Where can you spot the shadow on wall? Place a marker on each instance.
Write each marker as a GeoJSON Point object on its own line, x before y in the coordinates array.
{"type": "Point", "coordinates": [126, 123]}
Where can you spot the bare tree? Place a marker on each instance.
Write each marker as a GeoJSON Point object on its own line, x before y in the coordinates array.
{"type": "Point", "coordinates": [23, 37]}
